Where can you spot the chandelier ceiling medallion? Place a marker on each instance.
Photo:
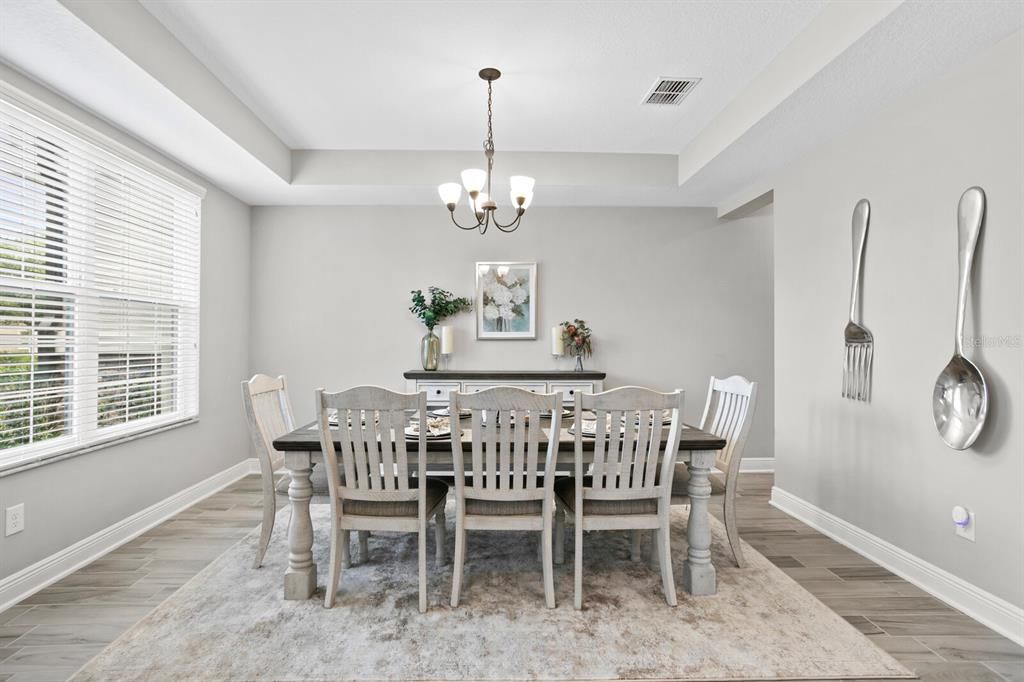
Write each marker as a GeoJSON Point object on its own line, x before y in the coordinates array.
{"type": "Point", "coordinates": [478, 182]}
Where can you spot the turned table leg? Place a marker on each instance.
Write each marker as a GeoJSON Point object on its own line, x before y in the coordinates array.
{"type": "Point", "coordinates": [698, 571]}
{"type": "Point", "coordinates": [300, 578]}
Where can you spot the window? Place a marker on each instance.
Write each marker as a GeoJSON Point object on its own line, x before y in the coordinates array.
{"type": "Point", "coordinates": [99, 289]}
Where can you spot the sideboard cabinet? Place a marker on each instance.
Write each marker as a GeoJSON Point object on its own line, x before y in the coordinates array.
{"type": "Point", "coordinates": [441, 383]}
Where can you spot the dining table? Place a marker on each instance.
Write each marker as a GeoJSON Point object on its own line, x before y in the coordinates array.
{"type": "Point", "coordinates": [302, 450]}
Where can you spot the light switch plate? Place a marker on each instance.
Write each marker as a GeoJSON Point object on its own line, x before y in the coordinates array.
{"type": "Point", "coordinates": [14, 519]}
{"type": "Point", "coordinates": [967, 530]}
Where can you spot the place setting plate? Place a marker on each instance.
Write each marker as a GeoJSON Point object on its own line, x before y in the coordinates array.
{"type": "Point", "coordinates": [438, 428]}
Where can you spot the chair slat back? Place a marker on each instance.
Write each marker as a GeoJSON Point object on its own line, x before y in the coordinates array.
{"type": "Point", "coordinates": [506, 430]}
{"type": "Point", "coordinates": [269, 413]}
{"type": "Point", "coordinates": [371, 423]}
{"type": "Point", "coordinates": [630, 443]}
{"type": "Point", "coordinates": [727, 414]}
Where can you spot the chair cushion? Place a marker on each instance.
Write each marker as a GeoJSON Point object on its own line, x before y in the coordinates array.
{"type": "Point", "coordinates": [436, 491]}
{"type": "Point", "coordinates": [503, 508]}
{"type": "Point", "coordinates": [681, 479]}
{"type": "Point", "coordinates": [565, 491]}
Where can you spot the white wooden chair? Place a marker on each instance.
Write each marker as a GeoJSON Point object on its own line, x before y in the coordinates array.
{"type": "Point", "coordinates": [728, 412]}
{"type": "Point", "coordinates": [505, 490]}
{"type": "Point", "coordinates": [377, 492]}
{"type": "Point", "coordinates": [630, 481]}
{"type": "Point", "coordinates": [269, 413]}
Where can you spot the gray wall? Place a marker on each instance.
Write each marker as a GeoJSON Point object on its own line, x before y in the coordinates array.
{"type": "Point", "coordinates": [673, 295]}
{"type": "Point", "coordinates": [69, 500]}
{"type": "Point", "coordinates": [882, 466]}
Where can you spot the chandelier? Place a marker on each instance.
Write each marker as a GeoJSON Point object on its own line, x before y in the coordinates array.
{"type": "Point", "coordinates": [478, 182]}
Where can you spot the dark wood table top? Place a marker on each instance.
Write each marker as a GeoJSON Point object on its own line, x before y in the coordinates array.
{"type": "Point", "coordinates": [306, 438]}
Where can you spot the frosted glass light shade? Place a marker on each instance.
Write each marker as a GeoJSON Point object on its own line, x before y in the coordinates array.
{"type": "Point", "coordinates": [521, 186]}
{"type": "Point", "coordinates": [481, 199]}
{"type": "Point", "coordinates": [474, 179]}
{"type": "Point", "coordinates": [450, 192]}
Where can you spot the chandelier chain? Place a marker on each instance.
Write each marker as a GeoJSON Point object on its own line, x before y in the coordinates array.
{"type": "Point", "coordinates": [482, 203]}
{"type": "Point", "coordinates": [489, 142]}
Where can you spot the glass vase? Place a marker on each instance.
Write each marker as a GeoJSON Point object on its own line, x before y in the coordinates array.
{"type": "Point", "coordinates": [579, 363]}
{"type": "Point", "coordinates": [430, 351]}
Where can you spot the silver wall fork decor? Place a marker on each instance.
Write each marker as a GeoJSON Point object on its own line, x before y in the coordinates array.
{"type": "Point", "coordinates": [859, 342]}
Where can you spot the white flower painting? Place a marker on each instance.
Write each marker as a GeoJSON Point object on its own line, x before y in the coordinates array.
{"type": "Point", "coordinates": [506, 300]}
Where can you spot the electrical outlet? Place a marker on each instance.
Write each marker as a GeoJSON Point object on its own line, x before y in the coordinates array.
{"type": "Point", "coordinates": [964, 522]}
{"type": "Point", "coordinates": [14, 519]}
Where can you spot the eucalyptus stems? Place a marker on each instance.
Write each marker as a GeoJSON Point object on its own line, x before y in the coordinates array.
{"type": "Point", "coordinates": [442, 304]}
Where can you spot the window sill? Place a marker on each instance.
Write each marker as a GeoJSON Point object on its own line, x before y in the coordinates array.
{"type": "Point", "coordinates": [30, 461]}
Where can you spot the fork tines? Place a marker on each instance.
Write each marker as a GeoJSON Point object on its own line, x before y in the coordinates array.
{"type": "Point", "coordinates": [857, 369]}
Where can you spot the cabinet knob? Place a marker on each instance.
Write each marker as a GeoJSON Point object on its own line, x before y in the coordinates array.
{"type": "Point", "coordinates": [571, 392]}
{"type": "Point", "coordinates": [437, 391]}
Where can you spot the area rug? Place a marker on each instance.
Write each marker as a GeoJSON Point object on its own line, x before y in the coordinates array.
{"type": "Point", "coordinates": [231, 623]}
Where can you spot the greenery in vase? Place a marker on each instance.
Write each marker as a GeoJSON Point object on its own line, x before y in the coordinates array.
{"type": "Point", "coordinates": [576, 338]}
{"type": "Point", "coordinates": [442, 304]}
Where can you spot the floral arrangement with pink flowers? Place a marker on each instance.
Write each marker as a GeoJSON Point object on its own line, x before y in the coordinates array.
{"type": "Point", "coordinates": [576, 338]}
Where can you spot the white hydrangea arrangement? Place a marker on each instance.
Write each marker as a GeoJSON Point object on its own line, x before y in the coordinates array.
{"type": "Point", "coordinates": [504, 295]}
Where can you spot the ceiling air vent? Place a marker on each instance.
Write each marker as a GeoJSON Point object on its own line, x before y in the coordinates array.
{"type": "Point", "coordinates": [670, 90]}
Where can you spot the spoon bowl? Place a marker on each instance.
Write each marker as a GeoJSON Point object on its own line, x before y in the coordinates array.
{"type": "Point", "coordinates": [960, 403]}
{"type": "Point", "coordinates": [960, 398]}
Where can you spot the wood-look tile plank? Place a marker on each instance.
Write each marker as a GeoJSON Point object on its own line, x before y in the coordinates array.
{"type": "Point", "coordinates": [863, 625]}
{"type": "Point", "coordinates": [802, 573]}
{"type": "Point", "coordinates": [955, 672]}
{"type": "Point", "coordinates": [91, 635]}
{"type": "Point", "coordinates": [831, 560]}
{"type": "Point", "coordinates": [55, 675]}
{"type": "Point", "coordinates": [872, 573]}
{"type": "Point", "coordinates": [925, 624]}
{"type": "Point", "coordinates": [11, 633]}
{"type": "Point", "coordinates": [98, 579]}
{"type": "Point", "coordinates": [840, 588]}
{"type": "Point", "coordinates": [906, 650]}
{"type": "Point", "coordinates": [959, 648]}
{"type": "Point", "coordinates": [12, 613]}
{"type": "Point", "coordinates": [1011, 671]}
{"type": "Point", "coordinates": [114, 563]}
{"type": "Point", "coordinates": [83, 614]}
{"type": "Point", "coordinates": [50, 657]}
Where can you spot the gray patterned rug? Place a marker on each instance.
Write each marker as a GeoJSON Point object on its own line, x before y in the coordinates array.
{"type": "Point", "coordinates": [231, 623]}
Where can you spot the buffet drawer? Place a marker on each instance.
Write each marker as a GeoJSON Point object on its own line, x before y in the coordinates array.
{"type": "Point", "coordinates": [570, 389]}
{"type": "Point", "coordinates": [476, 387]}
{"type": "Point", "coordinates": [437, 393]}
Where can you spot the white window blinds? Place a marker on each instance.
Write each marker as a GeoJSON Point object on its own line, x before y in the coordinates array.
{"type": "Point", "coordinates": [99, 291]}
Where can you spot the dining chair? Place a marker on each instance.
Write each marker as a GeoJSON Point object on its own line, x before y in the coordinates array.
{"type": "Point", "coordinates": [375, 491]}
{"type": "Point", "coordinates": [728, 412]}
{"type": "Point", "coordinates": [269, 413]}
{"type": "Point", "coordinates": [505, 490]}
{"type": "Point", "coordinates": [630, 480]}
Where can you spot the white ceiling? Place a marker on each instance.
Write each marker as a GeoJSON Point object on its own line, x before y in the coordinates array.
{"type": "Point", "coordinates": [403, 75]}
{"type": "Point", "coordinates": [230, 89]}
{"type": "Point", "coordinates": [920, 41]}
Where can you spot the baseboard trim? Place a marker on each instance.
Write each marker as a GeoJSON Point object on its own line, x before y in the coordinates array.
{"type": "Point", "coordinates": [982, 606]}
{"type": "Point", "coordinates": [757, 465]}
{"type": "Point", "coordinates": [26, 582]}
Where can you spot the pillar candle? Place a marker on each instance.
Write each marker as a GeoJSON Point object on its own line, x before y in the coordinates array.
{"type": "Point", "coordinates": [557, 347]}
{"type": "Point", "coordinates": [447, 340]}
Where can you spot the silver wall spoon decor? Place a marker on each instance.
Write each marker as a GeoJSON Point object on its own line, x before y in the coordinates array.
{"type": "Point", "coordinates": [960, 399]}
{"type": "Point", "coordinates": [860, 344]}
